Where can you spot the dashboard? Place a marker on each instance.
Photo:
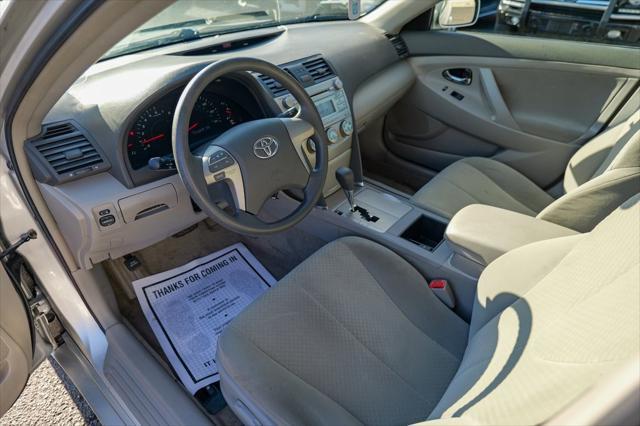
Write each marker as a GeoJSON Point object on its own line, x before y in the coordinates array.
{"type": "Point", "coordinates": [91, 159]}
{"type": "Point", "coordinates": [150, 134]}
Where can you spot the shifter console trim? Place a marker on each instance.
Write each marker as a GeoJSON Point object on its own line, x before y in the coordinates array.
{"type": "Point", "coordinates": [375, 210]}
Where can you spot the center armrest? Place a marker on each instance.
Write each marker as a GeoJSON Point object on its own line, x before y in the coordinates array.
{"type": "Point", "coordinates": [483, 233]}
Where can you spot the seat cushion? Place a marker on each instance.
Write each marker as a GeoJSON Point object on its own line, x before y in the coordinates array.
{"type": "Point", "coordinates": [353, 335]}
{"type": "Point", "coordinates": [477, 180]}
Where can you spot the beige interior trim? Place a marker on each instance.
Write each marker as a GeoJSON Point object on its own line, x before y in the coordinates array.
{"type": "Point", "coordinates": [483, 233]}
{"type": "Point", "coordinates": [392, 15]}
{"type": "Point", "coordinates": [111, 22]}
{"type": "Point", "coordinates": [613, 401]}
{"type": "Point", "coordinates": [374, 97]}
{"type": "Point", "coordinates": [15, 344]}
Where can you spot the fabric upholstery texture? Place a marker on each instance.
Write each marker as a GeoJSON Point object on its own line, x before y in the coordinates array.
{"type": "Point", "coordinates": [354, 330]}
{"type": "Point", "coordinates": [477, 180]}
{"type": "Point", "coordinates": [354, 336]}
{"type": "Point", "coordinates": [600, 176]}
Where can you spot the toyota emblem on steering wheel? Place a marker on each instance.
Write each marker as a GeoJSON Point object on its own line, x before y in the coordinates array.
{"type": "Point", "coordinates": [265, 147]}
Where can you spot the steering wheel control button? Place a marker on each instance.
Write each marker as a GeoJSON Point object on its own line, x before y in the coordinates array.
{"type": "Point", "coordinates": [332, 135]}
{"type": "Point", "coordinates": [104, 212]}
{"type": "Point", "coordinates": [220, 161]}
{"type": "Point", "coordinates": [107, 220]}
{"type": "Point", "coordinates": [346, 127]}
{"type": "Point", "coordinates": [219, 176]}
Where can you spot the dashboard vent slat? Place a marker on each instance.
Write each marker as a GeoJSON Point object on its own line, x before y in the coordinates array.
{"type": "Point", "coordinates": [273, 86]}
{"type": "Point", "coordinates": [398, 43]}
{"type": "Point", "coordinates": [67, 152]}
{"type": "Point", "coordinates": [319, 69]}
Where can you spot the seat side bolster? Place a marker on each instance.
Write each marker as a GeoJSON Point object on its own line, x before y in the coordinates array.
{"type": "Point", "coordinates": [504, 277]}
{"type": "Point", "coordinates": [411, 295]}
{"type": "Point", "coordinates": [263, 388]}
{"type": "Point", "coordinates": [583, 208]}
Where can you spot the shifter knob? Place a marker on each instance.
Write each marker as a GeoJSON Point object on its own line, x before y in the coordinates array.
{"type": "Point", "coordinates": [346, 179]}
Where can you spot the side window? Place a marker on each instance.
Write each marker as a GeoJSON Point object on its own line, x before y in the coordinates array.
{"type": "Point", "coordinates": [600, 21]}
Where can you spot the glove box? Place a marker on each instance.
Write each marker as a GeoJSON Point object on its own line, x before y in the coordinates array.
{"type": "Point", "coordinates": [148, 203]}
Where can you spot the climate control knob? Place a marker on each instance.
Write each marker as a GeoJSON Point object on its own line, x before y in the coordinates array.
{"type": "Point", "coordinates": [346, 127]}
{"type": "Point", "coordinates": [332, 135]}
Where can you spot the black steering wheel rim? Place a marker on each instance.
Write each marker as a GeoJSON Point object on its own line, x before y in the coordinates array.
{"type": "Point", "coordinates": [190, 168]}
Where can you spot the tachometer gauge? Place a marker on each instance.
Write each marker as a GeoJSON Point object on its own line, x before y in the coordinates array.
{"type": "Point", "coordinates": [150, 135]}
{"type": "Point", "coordinates": [206, 119]}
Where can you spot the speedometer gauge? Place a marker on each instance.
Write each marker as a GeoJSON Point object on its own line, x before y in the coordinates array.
{"type": "Point", "coordinates": [150, 134]}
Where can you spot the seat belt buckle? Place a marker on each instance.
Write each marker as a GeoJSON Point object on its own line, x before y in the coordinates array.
{"type": "Point", "coordinates": [442, 290]}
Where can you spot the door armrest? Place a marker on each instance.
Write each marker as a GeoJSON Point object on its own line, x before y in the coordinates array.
{"type": "Point", "coordinates": [483, 233]}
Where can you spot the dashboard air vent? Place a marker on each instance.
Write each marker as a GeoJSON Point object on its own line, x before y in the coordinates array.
{"type": "Point", "coordinates": [513, 11]}
{"type": "Point", "coordinates": [273, 86]}
{"type": "Point", "coordinates": [67, 152]}
{"type": "Point", "coordinates": [319, 69]}
{"type": "Point", "coordinates": [399, 44]}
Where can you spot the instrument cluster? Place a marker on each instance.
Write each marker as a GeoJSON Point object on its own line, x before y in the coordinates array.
{"type": "Point", "coordinates": [150, 134]}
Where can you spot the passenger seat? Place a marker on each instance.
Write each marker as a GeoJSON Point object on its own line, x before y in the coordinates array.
{"type": "Point", "coordinates": [599, 177]}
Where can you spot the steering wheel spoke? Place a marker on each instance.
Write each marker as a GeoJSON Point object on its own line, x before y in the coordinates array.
{"type": "Point", "coordinates": [220, 168]}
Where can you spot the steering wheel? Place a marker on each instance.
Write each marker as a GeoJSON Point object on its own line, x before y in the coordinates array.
{"type": "Point", "coordinates": [249, 163]}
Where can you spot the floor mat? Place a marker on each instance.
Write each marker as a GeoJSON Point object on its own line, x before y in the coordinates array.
{"type": "Point", "coordinates": [279, 253]}
{"type": "Point", "coordinates": [188, 306]}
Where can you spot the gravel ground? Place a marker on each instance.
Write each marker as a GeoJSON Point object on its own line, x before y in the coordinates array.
{"type": "Point", "coordinates": [50, 399]}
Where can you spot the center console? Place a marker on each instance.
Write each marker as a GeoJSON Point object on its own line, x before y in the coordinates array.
{"type": "Point", "coordinates": [456, 251]}
{"type": "Point", "coordinates": [326, 89]}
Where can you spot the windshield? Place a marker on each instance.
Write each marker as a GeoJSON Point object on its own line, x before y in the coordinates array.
{"type": "Point", "coordinates": [193, 19]}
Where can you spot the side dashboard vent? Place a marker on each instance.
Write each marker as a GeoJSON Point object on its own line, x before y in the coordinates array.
{"type": "Point", "coordinates": [273, 86]}
{"type": "Point", "coordinates": [66, 152]}
{"type": "Point", "coordinates": [399, 44]}
{"type": "Point", "coordinates": [512, 11]}
{"type": "Point", "coordinates": [319, 69]}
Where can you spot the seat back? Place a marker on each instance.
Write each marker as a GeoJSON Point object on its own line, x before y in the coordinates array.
{"type": "Point", "coordinates": [550, 320]}
{"type": "Point", "coordinates": [599, 177]}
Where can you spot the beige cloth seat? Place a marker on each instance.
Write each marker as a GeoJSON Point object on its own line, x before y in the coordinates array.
{"type": "Point", "coordinates": [354, 336]}
{"type": "Point", "coordinates": [600, 176]}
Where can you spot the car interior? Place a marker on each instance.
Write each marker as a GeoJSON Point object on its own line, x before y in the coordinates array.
{"type": "Point", "coordinates": [452, 217]}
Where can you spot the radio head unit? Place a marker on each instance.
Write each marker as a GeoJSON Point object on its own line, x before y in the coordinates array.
{"type": "Point", "coordinates": [328, 94]}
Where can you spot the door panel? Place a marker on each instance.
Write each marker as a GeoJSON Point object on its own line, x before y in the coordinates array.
{"type": "Point", "coordinates": [513, 46]}
{"type": "Point", "coordinates": [15, 344]}
{"type": "Point", "coordinates": [531, 114]}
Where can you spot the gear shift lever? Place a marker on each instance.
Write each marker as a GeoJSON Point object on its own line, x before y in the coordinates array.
{"type": "Point", "coordinates": [346, 179]}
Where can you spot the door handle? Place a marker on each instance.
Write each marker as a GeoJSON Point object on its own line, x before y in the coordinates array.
{"type": "Point", "coordinates": [460, 76]}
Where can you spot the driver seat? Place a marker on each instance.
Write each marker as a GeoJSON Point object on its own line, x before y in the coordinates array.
{"type": "Point", "coordinates": [354, 335]}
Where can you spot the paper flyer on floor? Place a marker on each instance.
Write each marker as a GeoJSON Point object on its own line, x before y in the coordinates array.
{"type": "Point", "coordinates": [189, 306]}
